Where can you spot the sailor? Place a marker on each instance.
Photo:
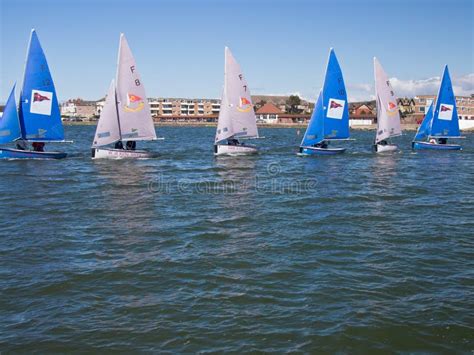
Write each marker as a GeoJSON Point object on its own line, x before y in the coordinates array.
{"type": "Point", "coordinates": [38, 146]}
{"type": "Point", "coordinates": [131, 145]}
{"type": "Point", "coordinates": [433, 141]}
{"type": "Point", "coordinates": [383, 142]}
{"type": "Point", "coordinates": [322, 144]}
{"type": "Point", "coordinates": [119, 145]}
{"type": "Point", "coordinates": [21, 145]}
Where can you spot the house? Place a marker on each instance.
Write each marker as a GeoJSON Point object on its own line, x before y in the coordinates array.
{"type": "Point", "coordinates": [362, 113]}
{"type": "Point", "coordinates": [268, 113]}
{"type": "Point", "coordinates": [79, 108]}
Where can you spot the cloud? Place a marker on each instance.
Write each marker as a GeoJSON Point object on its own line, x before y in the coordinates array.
{"type": "Point", "coordinates": [412, 88]}
{"type": "Point", "coordinates": [360, 92]}
{"type": "Point", "coordinates": [462, 86]}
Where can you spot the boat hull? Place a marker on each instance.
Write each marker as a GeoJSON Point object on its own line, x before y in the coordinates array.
{"type": "Point", "coordinates": [434, 146]}
{"type": "Point", "coordinates": [10, 153]}
{"type": "Point", "coordinates": [105, 153]}
{"type": "Point", "coordinates": [385, 148]}
{"type": "Point", "coordinates": [309, 151]}
{"type": "Point", "coordinates": [224, 149]}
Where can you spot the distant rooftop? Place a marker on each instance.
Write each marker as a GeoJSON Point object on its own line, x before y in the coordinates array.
{"type": "Point", "coordinates": [269, 108]}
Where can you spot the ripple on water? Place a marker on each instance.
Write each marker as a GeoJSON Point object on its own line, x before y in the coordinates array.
{"type": "Point", "coordinates": [192, 253]}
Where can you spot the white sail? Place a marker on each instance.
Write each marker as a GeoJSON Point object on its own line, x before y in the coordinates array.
{"type": "Point", "coordinates": [108, 129]}
{"type": "Point", "coordinates": [388, 116]}
{"type": "Point", "coordinates": [135, 118]}
{"type": "Point", "coordinates": [236, 116]}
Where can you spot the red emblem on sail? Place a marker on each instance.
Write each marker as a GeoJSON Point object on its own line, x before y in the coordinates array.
{"type": "Point", "coordinates": [391, 106]}
{"type": "Point", "coordinates": [334, 104]}
{"type": "Point", "coordinates": [39, 97]}
{"type": "Point", "coordinates": [444, 108]}
{"type": "Point", "coordinates": [244, 101]}
{"type": "Point", "coordinates": [134, 98]}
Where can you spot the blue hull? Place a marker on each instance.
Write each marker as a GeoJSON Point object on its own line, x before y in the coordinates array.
{"type": "Point", "coordinates": [7, 153]}
{"type": "Point", "coordinates": [434, 146]}
{"type": "Point", "coordinates": [308, 151]}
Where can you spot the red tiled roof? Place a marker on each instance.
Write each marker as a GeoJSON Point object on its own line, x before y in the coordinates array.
{"type": "Point", "coordinates": [268, 108]}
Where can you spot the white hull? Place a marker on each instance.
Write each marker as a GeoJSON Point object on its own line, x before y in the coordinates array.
{"type": "Point", "coordinates": [466, 124]}
{"type": "Point", "coordinates": [224, 149]}
{"type": "Point", "coordinates": [379, 148]}
{"type": "Point", "coordinates": [104, 153]}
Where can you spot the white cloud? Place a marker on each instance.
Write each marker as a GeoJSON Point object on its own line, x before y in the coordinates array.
{"type": "Point", "coordinates": [462, 86]}
{"type": "Point", "coordinates": [412, 88]}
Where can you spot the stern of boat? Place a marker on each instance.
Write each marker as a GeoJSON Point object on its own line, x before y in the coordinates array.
{"type": "Point", "coordinates": [224, 149]}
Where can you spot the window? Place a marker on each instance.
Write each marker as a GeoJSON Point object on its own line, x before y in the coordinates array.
{"type": "Point", "coordinates": [422, 109]}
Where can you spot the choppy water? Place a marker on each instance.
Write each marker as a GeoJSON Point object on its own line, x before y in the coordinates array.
{"type": "Point", "coordinates": [189, 253]}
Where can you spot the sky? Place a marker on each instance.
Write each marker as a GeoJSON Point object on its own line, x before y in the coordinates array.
{"type": "Point", "coordinates": [282, 46]}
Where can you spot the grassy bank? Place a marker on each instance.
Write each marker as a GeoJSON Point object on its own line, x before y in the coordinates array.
{"type": "Point", "coordinates": [373, 127]}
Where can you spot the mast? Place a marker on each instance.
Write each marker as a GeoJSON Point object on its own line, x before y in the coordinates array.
{"type": "Point", "coordinates": [20, 110]}
{"type": "Point", "coordinates": [377, 105]}
{"type": "Point", "coordinates": [435, 102]}
{"type": "Point", "coordinates": [226, 78]}
{"type": "Point", "coordinates": [117, 110]}
{"type": "Point", "coordinates": [116, 84]}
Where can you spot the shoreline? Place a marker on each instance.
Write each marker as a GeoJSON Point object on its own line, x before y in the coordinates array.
{"type": "Point", "coordinates": [373, 127]}
{"type": "Point", "coordinates": [407, 127]}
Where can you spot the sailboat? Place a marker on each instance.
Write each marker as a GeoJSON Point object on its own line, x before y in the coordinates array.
{"type": "Point", "coordinates": [38, 118]}
{"type": "Point", "coordinates": [388, 116]}
{"type": "Point", "coordinates": [441, 121]}
{"type": "Point", "coordinates": [330, 118]}
{"type": "Point", "coordinates": [126, 114]}
{"type": "Point", "coordinates": [236, 116]}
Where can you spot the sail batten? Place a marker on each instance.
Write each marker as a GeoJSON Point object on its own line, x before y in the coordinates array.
{"type": "Point", "coordinates": [108, 129]}
{"type": "Point", "coordinates": [441, 119]}
{"type": "Point", "coordinates": [9, 122]}
{"type": "Point", "coordinates": [388, 116]}
{"type": "Point", "coordinates": [236, 116]}
{"type": "Point", "coordinates": [315, 130]}
{"type": "Point", "coordinates": [330, 117]}
{"type": "Point", "coordinates": [134, 113]}
{"type": "Point", "coordinates": [423, 131]}
{"type": "Point", "coordinates": [39, 114]}
{"type": "Point", "coordinates": [445, 117]}
{"type": "Point", "coordinates": [336, 118]}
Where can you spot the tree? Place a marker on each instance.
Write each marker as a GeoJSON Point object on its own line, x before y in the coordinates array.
{"type": "Point", "coordinates": [260, 104]}
{"type": "Point", "coordinates": [292, 104]}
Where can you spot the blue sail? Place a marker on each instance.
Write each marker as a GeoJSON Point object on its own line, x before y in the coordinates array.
{"type": "Point", "coordinates": [9, 123]}
{"type": "Point", "coordinates": [445, 116]}
{"type": "Point", "coordinates": [314, 131]}
{"type": "Point", "coordinates": [336, 111]}
{"type": "Point", "coordinates": [40, 118]}
{"type": "Point", "coordinates": [424, 130]}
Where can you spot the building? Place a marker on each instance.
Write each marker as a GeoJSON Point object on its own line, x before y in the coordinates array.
{"type": "Point", "coordinates": [268, 113]}
{"type": "Point", "coordinates": [183, 107]}
{"type": "Point", "coordinates": [280, 101]}
{"type": "Point", "coordinates": [79, 109]}
{"type": "Point", "coordinates": [294, 118]}
{"type": "Point", "coordinates": [362, 113]}
{"type": "Point", "coordinates": [464, 105]}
